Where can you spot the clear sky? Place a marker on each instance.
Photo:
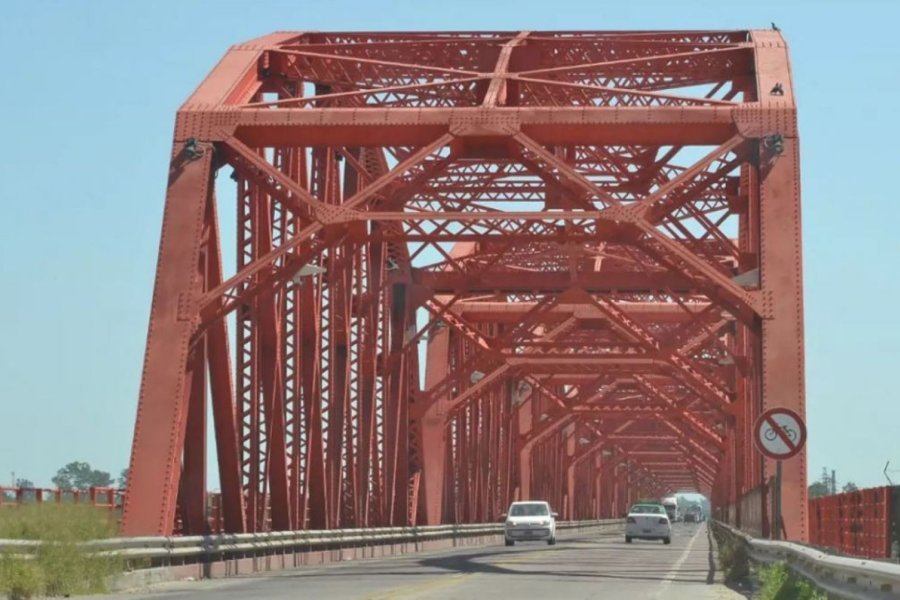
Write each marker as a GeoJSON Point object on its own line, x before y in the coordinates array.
{"type": "Point", "coordinates": [90, 91]}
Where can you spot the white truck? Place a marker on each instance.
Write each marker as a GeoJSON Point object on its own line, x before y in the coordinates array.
{"type": "Point", "coordinates": [671, 506]}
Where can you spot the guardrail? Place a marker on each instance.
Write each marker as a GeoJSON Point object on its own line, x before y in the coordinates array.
{"type": "Point", "coordinates": [843, 576]}
{"type": "Point", "coordinates": [179, 550]}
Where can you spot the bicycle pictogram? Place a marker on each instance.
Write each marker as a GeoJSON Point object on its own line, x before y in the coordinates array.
{"type": "Point", "coordinates": [791, 433]}
{"type": "Point", "coordinates": [780, 433]}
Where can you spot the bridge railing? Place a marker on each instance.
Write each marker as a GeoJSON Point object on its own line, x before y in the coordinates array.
{"type": "Point", "coordinates": [863, 523]}
{"type": "Point", "coordinates": [843, 576]}
{"type": "Point", "coordinates": [752, 513]}
{"type": "Point", "coordinates": [176, 550]}
{"type": "Point", "coordinates": [756, 508]}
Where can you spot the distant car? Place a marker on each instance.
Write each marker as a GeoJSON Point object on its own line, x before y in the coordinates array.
{"type": "Point", "coordinates": [648, 522]}
{"type": "Point", "coordinates": [694, 514]}
{"type": "Point", "coordinates": [530, 521]}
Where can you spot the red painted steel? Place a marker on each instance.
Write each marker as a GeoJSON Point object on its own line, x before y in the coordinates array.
{"type": "Point", "coordinates": [855, 523]}
{"type": "Point", "coordinates": [592, 237]}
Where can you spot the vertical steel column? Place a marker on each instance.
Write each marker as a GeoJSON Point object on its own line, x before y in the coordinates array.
{"type": "Point", "coordinates": [161, 421]}
{"type": "Point", "coordinates": [781, 272]}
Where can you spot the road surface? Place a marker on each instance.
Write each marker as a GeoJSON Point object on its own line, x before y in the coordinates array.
{"type": "Point", "coordinates": [579, 566]}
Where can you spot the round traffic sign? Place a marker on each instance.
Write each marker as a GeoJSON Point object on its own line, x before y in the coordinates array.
{"type": "Point", "coordinates": [780, 433]}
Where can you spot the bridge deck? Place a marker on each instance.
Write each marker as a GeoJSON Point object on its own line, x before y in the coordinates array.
{"type": "Point", "coordinates": [579, 566]}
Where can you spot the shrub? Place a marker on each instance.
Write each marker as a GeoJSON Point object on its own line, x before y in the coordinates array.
{"type": "Point", "coordinates": [19, 579]}
{"type": "Point", "coordinates": [733, 558]}
{"type": "Point", "coordinates": [60, 566]}
{"type": "Point", "coordinates": [780, 583]}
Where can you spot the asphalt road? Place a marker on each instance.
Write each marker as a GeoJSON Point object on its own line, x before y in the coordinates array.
{"type": "Point", "coordinates": [579, 566]}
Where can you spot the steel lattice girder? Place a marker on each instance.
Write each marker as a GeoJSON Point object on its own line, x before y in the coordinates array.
{"type": "Point", "coordinates": [593, 237]}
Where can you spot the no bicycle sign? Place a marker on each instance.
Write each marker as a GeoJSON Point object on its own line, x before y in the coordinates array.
{"type": "Point", "coordinates": [780, 433]}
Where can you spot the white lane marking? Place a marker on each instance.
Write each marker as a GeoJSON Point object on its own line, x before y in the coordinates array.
{"type": "Point", "coordinates": [670, 576]}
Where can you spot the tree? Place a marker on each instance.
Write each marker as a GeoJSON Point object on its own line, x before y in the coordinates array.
{"type": "Point", "coordinates": [818, 489]}
{"type": "Point", "coordinates": [123, 479]}
{"type": "Point", "coordinates": [850, 487]}
{"type": "Point", "coordinates": [24, 483]}
{"type": "Point", "coordinates": [80, 476]}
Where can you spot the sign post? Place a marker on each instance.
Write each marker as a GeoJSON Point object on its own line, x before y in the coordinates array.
{"type": "Point", "coordinates": [780, 434]}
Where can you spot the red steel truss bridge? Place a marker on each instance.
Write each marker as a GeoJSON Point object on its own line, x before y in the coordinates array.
{"type": "Point", "coordinates": [473, 267]}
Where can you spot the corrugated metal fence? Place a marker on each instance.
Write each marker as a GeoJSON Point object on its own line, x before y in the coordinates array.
{"type": "Point", "coordinates": [861, 523]}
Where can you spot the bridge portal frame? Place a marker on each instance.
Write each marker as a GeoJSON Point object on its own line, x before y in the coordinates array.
{"type": "Point", "coordinates": [317, 416]}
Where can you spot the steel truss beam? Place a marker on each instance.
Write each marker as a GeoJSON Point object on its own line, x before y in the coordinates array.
{"type": "Point", "coordinates": [592, 238]}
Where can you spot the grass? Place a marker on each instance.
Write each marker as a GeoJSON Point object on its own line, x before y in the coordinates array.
{"type": "Point", "coordinates": [780, 583]}
{"type": "Point", "coordinates": [60, 567]}
{"type": "Point", "coordinates": [777, 581]}
{"type": "Point", "coordinates": [733, 557]}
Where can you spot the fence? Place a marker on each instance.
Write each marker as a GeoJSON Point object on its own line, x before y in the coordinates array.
{"type": "Point", "coordinates": [752, 513]}
{"type": "Point", "coordinates": [756, 506]}
{"type": "Point", "coordinates": [861, 523]}
{"type": "Point", "coordinates": [101, 497]}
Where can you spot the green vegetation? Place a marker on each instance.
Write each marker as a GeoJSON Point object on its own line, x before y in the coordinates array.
{"type": "Point", "coordinates": [60, 567]}
{"type": "Point", "coordinates": [80, 476]}
{"type": "Point", "coordinates": [817, 489]}
{"type": "Point", "coordinates": [777, 580]}
{"type": "Point", "coordinates": [733, 559]}
{"type": "Point", "coordinates": [123, 478]}
{"type": "Point", "coordinates": [780, 583]}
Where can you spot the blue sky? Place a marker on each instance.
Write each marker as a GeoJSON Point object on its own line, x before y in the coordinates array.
{"type": "Point", "coordinates": [90, 93]}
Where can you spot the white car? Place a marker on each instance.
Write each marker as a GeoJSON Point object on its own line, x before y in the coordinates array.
{"type": "Point", "coordinates": [529, 521]}
{"type": "Point", "coordinates": [648, 522]}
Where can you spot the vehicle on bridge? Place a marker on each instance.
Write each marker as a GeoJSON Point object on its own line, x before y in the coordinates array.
{"type": "Point", "coordinates": [530, 521]}
{"type": "Point", "coordinates": [693, 514]}
{"type": "Point", "coordinates": [671, 506]}
{"type": "Point", "coordinates": [648, 522]}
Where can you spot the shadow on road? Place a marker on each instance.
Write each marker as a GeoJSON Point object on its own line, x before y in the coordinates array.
{"type": "Point", "coordinates": [490, 562]}
{"type": "Point", "coordinates": [476, 564]}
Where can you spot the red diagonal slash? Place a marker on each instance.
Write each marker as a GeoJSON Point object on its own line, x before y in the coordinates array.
{"type": "Point", "coordinates": [784, 437]}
